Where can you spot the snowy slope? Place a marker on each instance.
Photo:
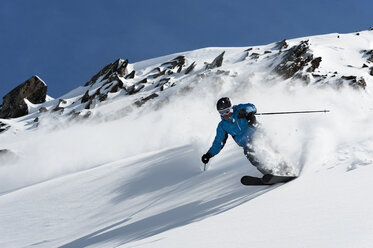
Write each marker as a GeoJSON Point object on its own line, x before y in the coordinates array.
{"type": "Point", "coordinates": [130, 176]}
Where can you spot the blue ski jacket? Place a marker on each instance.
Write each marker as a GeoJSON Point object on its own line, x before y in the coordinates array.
{"type": "Point", "coordinates": [239, 128]}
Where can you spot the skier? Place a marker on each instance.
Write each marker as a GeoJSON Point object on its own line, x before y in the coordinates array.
{"type": "Point", "coordinates": [240, 122]}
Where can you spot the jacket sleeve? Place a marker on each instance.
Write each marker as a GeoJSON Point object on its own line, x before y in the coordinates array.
{"type": "Point", "coordinates": [219, 141]}
{"type": "Point", "coordinates": [249, 107]}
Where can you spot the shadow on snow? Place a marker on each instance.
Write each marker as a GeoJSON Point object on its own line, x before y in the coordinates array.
{"type": "Point", "coordinates": [182, 195]}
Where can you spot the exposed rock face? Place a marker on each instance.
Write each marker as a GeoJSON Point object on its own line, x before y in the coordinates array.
{"type": "Point", "coordinates": [281, 45]}
{"type": "Point", "coordinates": [294, 60]}
{"type": "Point", "coordinates": [314, 64]}
{"type": "Point", "coordinates": [3, 127]}
{"type": "Point", "coordinates": [58, 107]}
{"type": "Point", "coordinates": [116, 68]}
{"type": "Point", "coordinates": [218, 61]}
{"type": "Point", "coordinates": [361, 83]}
{"type": "Point", "coordinates": [370, 54]}
{"type": "Point", "coordinates": [190, 68]}
{"type": "Point", "coordinates": [176, 62]}
{"type": "Point", "coordinates": [142, 101]}
{"type": "Point", "coordinates": [34, 90]}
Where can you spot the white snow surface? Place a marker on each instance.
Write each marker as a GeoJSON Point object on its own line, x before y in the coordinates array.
{"type": "Point", "coordinates": [135, 180]}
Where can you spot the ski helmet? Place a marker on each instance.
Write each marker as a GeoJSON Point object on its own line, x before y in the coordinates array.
{"type": "Point", "coordinates": [224, 105]}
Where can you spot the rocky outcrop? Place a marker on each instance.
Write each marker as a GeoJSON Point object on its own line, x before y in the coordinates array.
{"type": "Point", "coordinates": [131, 75]}
{"type": "Point", "coordinates": [370, 55]}
{"type": "Point", "coordinates": [34, 90]}
{"type": "Point", "coordinates": [294, 60]}
{"type": "Point", "coordinates": [109, 71]}
{"type": "Point", "coordinates": [142, 101]}
{"type": "Point", "coordinates": [176, 62]}
{"type": "Point", "coordinates": [354, 82]}
{"type": "Point", "coordinates": [281, 45]}
{"type": "Point", "coordinates": [190, 68]}
{"type": "Point", "coordinates": [218, 61]}
{"type": "Point", "coordinates": [3, 127]}
{"type": "Point", "coordinates": [315, 63]}
{"type": "Point", "coordinates": [59, 107]}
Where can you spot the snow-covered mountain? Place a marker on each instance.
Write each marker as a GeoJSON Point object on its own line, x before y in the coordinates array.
{"type": "Point", "coordinates": [116, 162]}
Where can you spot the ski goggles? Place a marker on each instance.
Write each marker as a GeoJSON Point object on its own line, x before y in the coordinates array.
{"type": "Point", "coordinates": [225, 111]}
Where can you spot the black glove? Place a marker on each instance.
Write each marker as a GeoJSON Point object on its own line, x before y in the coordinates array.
{"type": "Point", "coordinates": [242, 114]}
{"type": "Point", "coordinates": [250, 117]}
{"type": "Point", "coordinates": [206, 157]}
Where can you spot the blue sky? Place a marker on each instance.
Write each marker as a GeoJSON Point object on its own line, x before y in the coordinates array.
{"type": "Point", "coordinates": [66, 42]}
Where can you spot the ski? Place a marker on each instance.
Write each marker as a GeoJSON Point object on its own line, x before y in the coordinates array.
{"type": "Point", "coordinates": [265, 180]}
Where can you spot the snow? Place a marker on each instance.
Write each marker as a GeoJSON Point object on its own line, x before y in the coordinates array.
{"type": "Point", "coordinates": [132, 178]}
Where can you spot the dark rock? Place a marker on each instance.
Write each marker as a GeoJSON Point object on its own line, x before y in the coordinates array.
{"type": "Point", "coordinates": [304, 77]}
{"type": "Point", "coordinates": [131, 75]}
{"type": "Point", "coordinates": [349, 77]}
{"type": "Point", "coordinates": [122, 68]}
{"type": "Point", "coordinates": [109, 71]}
{"type": "Point", "coordinates": [265, 52]}
{"type": "Point", "coordinates": [361, 83]}
{"type": "Point", "coordinates": [254, 56]}
{"type": "Point", "coordinates": [87, 115]}
{"type": "Point", "coordinates": [249, 49]}
{"type": "Point", "coordinates": [176, 62]}
{"type": "Point", "coordinates": [115, 88]}
{"type": "Point", "coordinates": [142, 101]}
{"type": "Point", "coordinates": [280, 45]}
{"type": "Point", "coordinates": [371, 71]}
{"type": "Point", "coordinates": [315, 63]}
{"type": "Point", "coordinates": [144, 81]}
{"type": "Point", "coordinates": [36, 119]}
{"type": "Point", "coordinates": [370, 54]}
{"type": "Point", "coordinates": [222, 72]}
{"type": "Point", "coordinates": [161, 73]}
{"type": "Point", "coordinates": [294, 60]}
{"type": "Point", "coordinates": [43, 110]}
{"type": "Point", "coordinates": [85, 97]}
{"type": "Point", "coordinates": [243, 57]}
{"type": "Point", "coordinates": [103, 97]}
{"type": "Point", "coordinates": [136, 88]}
{"type": "Point", "coordinates": [218, 61]}
{"type": "Point", "coordinates": [358, 34]}
{"type": "Point", "coordinates": [91, 104]}
{"type": "Point", "coordinates": [34, 90]}
{"type": "Point", "coordinates": [364, 66]}
{"type": "Point", "coordinates": [164, 83]}
{"type": "Point", "coordinates": [4, 151]}
{"type": "Point", "coordinates": [3, 127]}
{"type": "Point", "coordinates": [190, 68]}
{"type": "Point", "coordinates": [58, 107]}
{"type": "Point", "coordinates": [370, 29]}
{"type": "Point", "coordinates": [155, 70]}
{"type": "Point", "coordinates": [109, 86]}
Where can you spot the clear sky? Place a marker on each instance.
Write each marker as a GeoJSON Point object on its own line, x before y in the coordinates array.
{"type": "Point", "coordinates": [66, 42]}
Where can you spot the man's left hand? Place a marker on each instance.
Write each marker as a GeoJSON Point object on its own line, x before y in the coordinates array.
{"type": "Point", "coordinates": [250, 117]}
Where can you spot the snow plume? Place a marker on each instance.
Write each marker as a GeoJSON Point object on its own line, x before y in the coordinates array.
{"type": "Point", "coordinates": [187, 115]}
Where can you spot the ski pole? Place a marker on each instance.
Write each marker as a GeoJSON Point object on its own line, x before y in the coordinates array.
{"type": "Point", "coordinates": [294, 112]}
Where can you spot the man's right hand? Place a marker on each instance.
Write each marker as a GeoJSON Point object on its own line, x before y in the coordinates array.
{"type": "Point", "coordinates": [206, 157]}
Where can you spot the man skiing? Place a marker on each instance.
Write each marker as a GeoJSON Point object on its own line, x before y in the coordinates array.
{"type": "Point", "coordinates": [238, 121]}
